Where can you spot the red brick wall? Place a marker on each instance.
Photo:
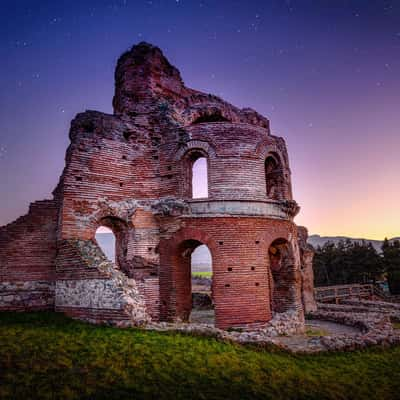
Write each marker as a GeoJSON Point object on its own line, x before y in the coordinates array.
{"type": "Point", "coordinates": [236, 161]}
{"type": "Point", "coordinates": [242, 294]}
{"type": "Point", "coordinates": [118, 167]}
{"type": "Point", "coordinates": [28, 245]}
{"type": "Point", "coordinates": [27, 254]}
{"type": "Point", "coordinates": [104, 165]}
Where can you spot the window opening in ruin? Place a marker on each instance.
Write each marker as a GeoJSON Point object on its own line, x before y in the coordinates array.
{"type": "Point", "coordinates": [105, 238]}
{"type": "Point", "coordinates": [274, 178]}
{"type": "Point", "coordinates": [202, 298]}
{"type": "Point", "coordinates": [200, 178]}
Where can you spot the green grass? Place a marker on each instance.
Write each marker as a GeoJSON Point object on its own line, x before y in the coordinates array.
{"type": "Point", "coordinates": [47, 356]}
{"type": "Point", "coordinates": [396, 325]}
{"type": "Point", "coordinates": [204, 274]}
{"type": "Point", "coordinates": [316, 332]}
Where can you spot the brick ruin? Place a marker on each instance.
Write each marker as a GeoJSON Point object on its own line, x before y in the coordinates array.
{"type": "Point", "coordinates": [132, 172]}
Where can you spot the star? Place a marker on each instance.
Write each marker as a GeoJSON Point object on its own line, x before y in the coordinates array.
{"type": "Point", "coordinates": [2, 151]}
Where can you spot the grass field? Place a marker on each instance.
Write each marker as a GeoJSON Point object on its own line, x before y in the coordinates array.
{"type": "Point", "coordinates": [203, 274]}
{"type": "Point", "coordinates": [47, 356]}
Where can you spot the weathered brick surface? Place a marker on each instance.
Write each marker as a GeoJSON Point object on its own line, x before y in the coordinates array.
{"type": "Point", "coordinates": [27, 259]}
{"type": "Point", "coordinates": [131, 172]}
{"type": "Point", "coordinates": [307, 273]}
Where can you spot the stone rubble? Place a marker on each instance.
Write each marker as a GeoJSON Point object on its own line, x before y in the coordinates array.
{"type": "Point", "coordinates": [374, 328]}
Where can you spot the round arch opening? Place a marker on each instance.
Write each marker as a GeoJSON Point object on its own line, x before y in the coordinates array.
{"type": "Point", "coordinates": [112, 238]}
{"type": "Point", "coordinates": [197, 174]}
{"type": "Point", "coordinates": [194, 283]}
{"type": "Point", "coordinates": [201, 280]}
{"type": "Point", "coordinates": [282, 276]}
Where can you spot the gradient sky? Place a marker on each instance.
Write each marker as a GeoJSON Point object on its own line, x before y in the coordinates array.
{"type": "Point", "coordinates": [326, 73]}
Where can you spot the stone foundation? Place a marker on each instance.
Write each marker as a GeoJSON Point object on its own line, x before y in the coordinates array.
{"type": "Point", "coordinates": [26, 295]}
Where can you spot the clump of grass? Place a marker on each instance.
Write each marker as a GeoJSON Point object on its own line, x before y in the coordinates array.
{"type": "Point", "coordinates": [204, 274]}
{"type": "Point", "coordinates": [316, 332]}
{"type": "Point", "coordinates": [396, 325]}
{"type": "Point", "coordinates": [48, 356]}
{"type": "Point", "coordinates": [235, 329]}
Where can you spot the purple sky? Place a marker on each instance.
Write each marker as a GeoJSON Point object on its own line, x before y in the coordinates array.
{"type": "Point", "coordinates": [327, 76]}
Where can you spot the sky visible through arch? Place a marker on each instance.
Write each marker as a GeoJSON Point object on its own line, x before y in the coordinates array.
{"type": "Point", "coordinates": [325, 73]}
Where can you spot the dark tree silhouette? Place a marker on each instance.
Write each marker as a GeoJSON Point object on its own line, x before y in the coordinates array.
{"type": "Point", "coordinates": [347, 262]}
{"type": "Point", "coordinates": [391, 261]}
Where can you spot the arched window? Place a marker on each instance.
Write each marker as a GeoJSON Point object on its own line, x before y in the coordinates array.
{"type": "Point", "coordinates": [112, 238]}
{"type": "Point", "coordinates": [199, 178]}
{"type": "Point", "coordinates": [105, 238]}
{"type": "Point", "coordinates": [274, 178]}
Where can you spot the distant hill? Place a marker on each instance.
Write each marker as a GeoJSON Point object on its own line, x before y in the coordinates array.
{"type": "Point", "coordinates": [317, 240]}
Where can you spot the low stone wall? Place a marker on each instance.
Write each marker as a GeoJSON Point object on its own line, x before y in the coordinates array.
{"type": "Point", "coordinates": [378, 305]}
{"type": "Point", "coordinates": [26, 295]}
{"type": "Point", "coordinates": [287, 323]}
{"type": "Point", "coordinates": [372, 318]}
{"type": "Point", "coordinates": [374, 329]}
{"type": "Point", "coordinates": [101, 297]}
{"type": "Point", "coordinates": [364, 306]}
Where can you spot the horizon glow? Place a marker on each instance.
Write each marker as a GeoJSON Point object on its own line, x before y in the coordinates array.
{"type": "Point", "coordinates": [326, 74]}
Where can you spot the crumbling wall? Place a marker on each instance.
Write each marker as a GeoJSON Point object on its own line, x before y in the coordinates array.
{"type": "Point", "coordinates": [131, 171]}
{"type": "Point", "coordinates": [108, 296]}
{"type": "Point", "coordinates": [27, 257]}
{"type": "Point", "coordinates": [307, 272]}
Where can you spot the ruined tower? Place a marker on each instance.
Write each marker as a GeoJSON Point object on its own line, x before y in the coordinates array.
{"type": "Point", "coordinates": [132, 172]}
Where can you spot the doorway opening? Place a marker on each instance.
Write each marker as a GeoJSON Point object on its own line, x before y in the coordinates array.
{"type": "Point", "coordinates": [202, 288]}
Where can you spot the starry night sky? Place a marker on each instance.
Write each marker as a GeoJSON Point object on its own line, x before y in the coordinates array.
{"type": "Point", "coordinates": [326, 73]}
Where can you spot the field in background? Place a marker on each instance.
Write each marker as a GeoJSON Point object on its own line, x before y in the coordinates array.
{"type": "Point", "coordinates": [47, 356]}
{"type": "Point", "coordinates": [202, 274]}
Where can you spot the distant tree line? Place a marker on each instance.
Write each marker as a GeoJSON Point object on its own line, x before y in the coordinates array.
{"type": "Point", "coordinates": [350, 262]}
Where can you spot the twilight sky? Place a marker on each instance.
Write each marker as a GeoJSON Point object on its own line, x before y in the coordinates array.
{"type": "Point", "coordinates": [326, 73]}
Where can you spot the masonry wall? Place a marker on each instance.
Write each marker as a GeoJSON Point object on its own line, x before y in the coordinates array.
{"type": "Point", "coordinates": [108, 161]}
{"type": "Point", "coordinates": [27, 259]}
{"type": "Point", "coordinates": [240, 263]}
{"type": "Point", "coordinates": [236, 161]}
{"type": "Point", "coordinates": [130, 171]}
